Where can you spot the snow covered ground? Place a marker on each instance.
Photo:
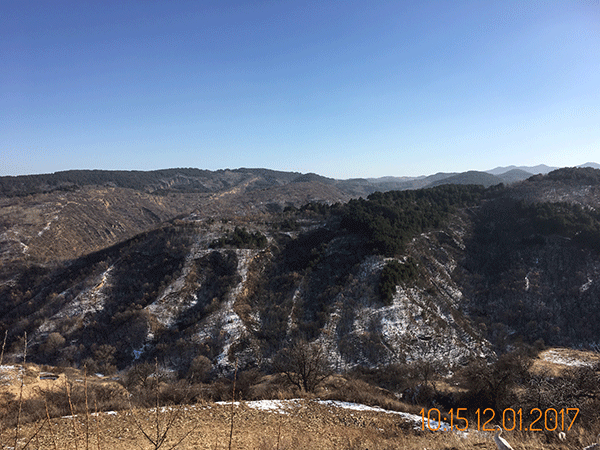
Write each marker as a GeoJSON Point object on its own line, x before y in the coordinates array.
{"type": "Point", "coordinates": [7, 373]}
{"type": "Point", "coordinates": [565, 357]}
{"type": "Point", "coordinates": [286, 406]}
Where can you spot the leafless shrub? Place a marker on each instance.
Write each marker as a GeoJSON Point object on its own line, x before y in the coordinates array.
{"type": "Point", "coordinates": [359, 391]}
{"type": "Point", "coordinates": [270, 387]}
{"type": "Point", "coordinates": [165, 419]}
{"type": "Point", "coordinates": [31, 411]}
{"type": "Point", "coordinates": [304, 364]}
{"type": "Point", "coordinates": [246, 380]}
{"type": "Point", "coordinates": [493, 385]}
{"type": "Point", "coordinates": [50, 426]}
{"type": "Point", "coordinates": [576, 387]}
{"type": "Point", "coordinates": [3, 346]}
{"type": "Point", "coordinates": [199, 369]}
{"type": "Point", "coordinates": [139, 375]}
{"type": "Point", "coordinates": [232, 404]}
{"type": "Point", "coordinates": [177, 393]}
{"type": "Point", "coordinates": [19, 409]}
{"type": "Point", "coordinates": [219, 390]}
{"type": "Point", "coordinates": [54, 342]}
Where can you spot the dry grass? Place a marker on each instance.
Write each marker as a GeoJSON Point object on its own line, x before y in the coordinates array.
{"type": "Point", "coordinates": [554, 361]}
{"type": "Point", "coordinates": [65, 417]}
{"type": "Point", "coordinates": [310, 425]}
{"type": "Point", "coordinates": [358, 391]}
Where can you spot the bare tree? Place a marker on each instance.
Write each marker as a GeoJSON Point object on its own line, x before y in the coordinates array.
{"type": "Point", "coordinates": [304, 364]}
{"type": "Point", "coordinates": [139, 376]}
{"type": "Point", "coordinates": [165, 418]}
{"type": "Point", "coordinates": [495, 384]}
{"type": "Point", "coordinates": [199, 368]}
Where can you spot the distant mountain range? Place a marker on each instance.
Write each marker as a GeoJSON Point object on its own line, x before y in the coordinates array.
{"type": "Point", "coordinates": [197, 181]}
{"type": "Point", "coordinates": [534, 170]}
{"type": "Point", "coordinates": [506, 175]}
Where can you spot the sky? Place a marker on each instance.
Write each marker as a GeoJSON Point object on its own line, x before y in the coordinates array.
{"type": "Point", "coordinates": [340, 88]}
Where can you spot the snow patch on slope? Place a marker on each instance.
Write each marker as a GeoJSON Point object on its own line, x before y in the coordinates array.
{"type": "Point", "coordinates": [85, 304]}
{"type": "Point", "coordinates": [586, 285]}
{"type": "Point", "coordinates": [424, 321]}
{"type": "Point", "coordinates": [292, 405]}
{"type": "Point", "coordinates": [559, 357]}
{"type": "Point", "coordinates": [172, 302]}
{"type": "Point", "coordinates": [232, 325]}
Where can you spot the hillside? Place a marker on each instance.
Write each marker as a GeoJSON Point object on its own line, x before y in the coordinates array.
{"type": "Point", "coordinates": [55, 413]}
{"type": "Point", "coordinates": [195, 181]}
{"type": "Point", "coordinates": [539, 169]}
{"type": "Point", "coordinates": [514, 175]}
{"type": "Point", "coordinates": [470, 177]}
{"type": "Point", "coordinates": [67, 214]}
{"type": "Point", "coordinates": [428, 295]}
{"type": "Point", "coordinates": [186, 282]}
{"type": "Point", "coordinates": [61, 225]}
{"type": "Point", "coordinates": [441, 274]}
{"type": "Point", "coordinates": [170, 181]}
{"type": "Point", "coordinates": [167, 180]}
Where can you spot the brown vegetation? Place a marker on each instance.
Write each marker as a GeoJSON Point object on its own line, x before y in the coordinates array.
{"type": "Point", "coordinates": [523, 272]}
{"type": "Point", "coordinates": [157, 411]}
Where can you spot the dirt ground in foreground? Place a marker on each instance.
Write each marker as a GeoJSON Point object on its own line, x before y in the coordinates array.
{"type": "Point", "coordinates": [308, 425]}
{"type": "Point", "coordinates": [305, 425]}
{"type": "Point", "coordinates": [295, 424]}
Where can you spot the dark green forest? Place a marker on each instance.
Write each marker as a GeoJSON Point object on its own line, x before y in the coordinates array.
{"type": "Point", "coordinates": [388, 220]}
{"type": "Point", "coordinates": [530, 265]}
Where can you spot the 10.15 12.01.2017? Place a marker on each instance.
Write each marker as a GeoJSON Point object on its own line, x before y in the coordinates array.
{"type": "Point", "coordinates": [550, 419]}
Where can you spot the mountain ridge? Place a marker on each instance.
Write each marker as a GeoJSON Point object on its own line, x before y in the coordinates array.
{"type": "Point", "coordinates": [442, 274]}
{"type": "Point", "coordinates": [207, 181]}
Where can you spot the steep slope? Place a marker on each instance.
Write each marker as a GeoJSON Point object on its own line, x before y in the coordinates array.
{"type": "Point", "coordinates": [580, 186]}
{"type": "Point", "coordinates": [65, 224]}
{"type": "Point", "coordinates": [444, 275]}
{"type": "Point", "coordinates": [533, 261]}
{"type": "Point", "coordinates": [62, 225]}
{"type": "Point", "coordinates": [176, 293]}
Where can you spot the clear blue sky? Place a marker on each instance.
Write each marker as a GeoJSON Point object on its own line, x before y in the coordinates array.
{"type": "Point", "coordinates": [341, 88]}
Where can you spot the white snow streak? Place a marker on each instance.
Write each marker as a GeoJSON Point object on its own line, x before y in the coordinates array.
{"type": "Point", "coordinates": [556, 357]}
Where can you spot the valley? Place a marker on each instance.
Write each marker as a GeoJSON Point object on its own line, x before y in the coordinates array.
{"type": "Point", "coordinates": [251, 275]}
